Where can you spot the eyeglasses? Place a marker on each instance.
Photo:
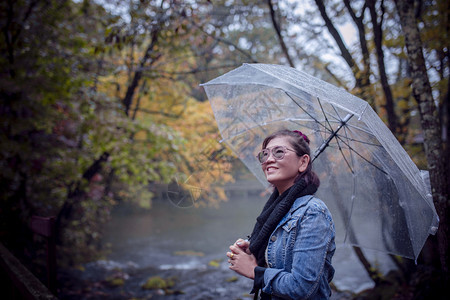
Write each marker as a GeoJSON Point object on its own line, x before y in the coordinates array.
{"type": "Point", "coordinates": [278, 153]}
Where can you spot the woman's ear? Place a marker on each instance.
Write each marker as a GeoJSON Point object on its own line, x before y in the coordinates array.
{"type": "Point", "coordinates": [303, 163]}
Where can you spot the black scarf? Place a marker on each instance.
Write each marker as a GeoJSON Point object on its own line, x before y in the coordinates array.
{"type": "Point", "coordinates": [273, 212]}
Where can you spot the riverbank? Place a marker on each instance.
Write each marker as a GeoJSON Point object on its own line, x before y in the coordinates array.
{"type": "Point", "coordinates": [186, 248]}
{"type": "Point", "coordinates": [112, 280]}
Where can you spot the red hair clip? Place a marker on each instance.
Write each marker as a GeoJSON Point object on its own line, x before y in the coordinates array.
{"type": "Point", "coordinates": [302, 135]}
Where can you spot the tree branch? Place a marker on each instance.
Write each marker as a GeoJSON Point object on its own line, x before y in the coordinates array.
{"type": "Point", "coordinates": [362, 40]}
{"type": "Point", "coordinates": [378, 40]}
{"type": "Point", "coordinates": [157, 112]}
{"type": "Point", "coordinates": [337, 37]}
{"type": "Point", "coordinates": [226, 42]}
{"type": "Point", "coordinates": [277, 28]}
{"type": "Point", "coordinates": [127, 101]}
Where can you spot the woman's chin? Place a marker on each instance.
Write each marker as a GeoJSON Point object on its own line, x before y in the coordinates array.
{"type": "Point", "coordinates": [269, 179]}
{"type": "Point", "coordinates": [272, 181]}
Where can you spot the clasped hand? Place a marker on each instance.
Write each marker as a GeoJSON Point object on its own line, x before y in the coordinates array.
{"type": "Point", "coordinates": [241, 260]}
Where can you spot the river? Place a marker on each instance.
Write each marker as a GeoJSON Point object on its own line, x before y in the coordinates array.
{"type": "Point", "coordinates": [188, 245]}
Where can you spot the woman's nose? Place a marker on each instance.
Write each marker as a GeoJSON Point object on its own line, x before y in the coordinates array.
{"type": "Point", "coordinates": [270, 158]}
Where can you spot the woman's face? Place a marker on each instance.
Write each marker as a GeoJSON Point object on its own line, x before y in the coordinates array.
{"type": "Point", "coordinates": [282, 173]}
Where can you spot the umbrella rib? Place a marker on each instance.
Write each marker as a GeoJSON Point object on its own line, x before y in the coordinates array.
{"type": "Point", "coordinates": [325, 116]}
{"type": "Point", "coordinates": [250, 128]}
{"type": "Point", "coordinates": [336, 137]}
{"type": "Point", "coordinates": [318, 122]}
{"type": "Point", "coordinates": [368, 161]}
{"type": "Point", "coordinates": [362, 142]}
{"type": "Point", "coordinates": [343, 155]}
{"type": "Point", "coordinates": [349, 128]}
{"type": "Point", "coordinates": [337, 113]}
{"type": "Point", "coordinates": [315, 130]}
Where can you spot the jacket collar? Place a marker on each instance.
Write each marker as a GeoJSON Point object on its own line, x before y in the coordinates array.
{"type": "Point", "coordinates": [298, 203]}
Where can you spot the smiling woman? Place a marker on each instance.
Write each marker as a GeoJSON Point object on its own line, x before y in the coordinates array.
{"type": "Point", "coordinates": [282, 168]}
{"type": "Point", "coordinates": [289, 252]}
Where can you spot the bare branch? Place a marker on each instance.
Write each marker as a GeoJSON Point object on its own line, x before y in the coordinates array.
{"type": "Point", "coordinates": [158, 112]}
{"type": "Point", "coordinates": [337, 37]}
{"type": "Point", "coordinates": [199, 70]}
{"type": "Point", "coordinates": [378, 40]}
{"type": "Point", "coordinates": [226, 42]}
{"type": "Point", "coordinates": [362, 37]}
{"type": "Point", "coordinates": [127, 101]}
{"type": "Point", "coordinates": [277, 28]}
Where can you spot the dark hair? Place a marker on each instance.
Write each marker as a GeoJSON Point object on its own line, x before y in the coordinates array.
{"type": "Point", "coordinates": [300, 144]}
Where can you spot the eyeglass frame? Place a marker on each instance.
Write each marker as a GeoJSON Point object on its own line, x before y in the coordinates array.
{"type": "Point", "coordinates": [271, 151]}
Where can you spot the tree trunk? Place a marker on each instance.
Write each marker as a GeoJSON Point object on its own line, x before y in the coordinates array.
{"type": "Point", "coordinates": [378, 40]}
{"type": "Point", "coordinates": [76, 194]}
{"type": "Point", "coordinates": [128, 99]}
{"type": "Point", "coordinates": [430, 126]}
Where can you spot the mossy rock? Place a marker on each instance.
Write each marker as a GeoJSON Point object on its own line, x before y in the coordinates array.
{"type": "Point", "coordinates": [115, 282]}
{"type": "Point", "coordinates": [189, 253]}
{"type": "Point", "coordinates": [80, 268]}
{"type": "Point", "coordinates": [232, 279]}
{"type": "Point", "coordinates": [156, 282]}
{"type": "Point", "coordinates": [215, 263]}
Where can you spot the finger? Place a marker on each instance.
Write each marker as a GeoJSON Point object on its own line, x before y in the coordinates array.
{"type": "Point", "coordinates": [243, 244]}
{"type": "Point", "coordinates": [236, 249]}
{"type": "Point", "coordinates": [239, 241]}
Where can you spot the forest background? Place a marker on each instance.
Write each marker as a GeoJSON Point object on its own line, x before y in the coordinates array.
{"type": "Point", "coordinates": [100, 100]}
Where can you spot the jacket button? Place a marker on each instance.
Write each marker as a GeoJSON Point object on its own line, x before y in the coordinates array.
{"type": "Point", "coordinates": [273, 238]}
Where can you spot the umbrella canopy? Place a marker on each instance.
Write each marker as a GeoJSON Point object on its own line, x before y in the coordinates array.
{"type": "Point", "coordinates": [377, 196]}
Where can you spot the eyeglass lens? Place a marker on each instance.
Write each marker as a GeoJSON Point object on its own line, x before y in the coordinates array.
{"type": "Point", "coordinates": [278, 152]}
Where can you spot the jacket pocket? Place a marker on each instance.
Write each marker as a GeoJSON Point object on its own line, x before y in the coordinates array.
{"type": "Point", "coordinates": [288, 232]}
{"type": "Point", "coordinates": [289, 225]}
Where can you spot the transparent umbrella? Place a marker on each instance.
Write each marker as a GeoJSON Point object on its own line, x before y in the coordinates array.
{"type": "Point", "coordinates": [378, 197]}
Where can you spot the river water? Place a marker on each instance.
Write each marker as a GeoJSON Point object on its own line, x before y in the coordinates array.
{"type": "Point", "coordinates": [188, 245]}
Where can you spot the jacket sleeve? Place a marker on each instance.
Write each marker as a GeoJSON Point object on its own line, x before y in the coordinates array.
{"type": "Point", "coordinates": [313, 235]}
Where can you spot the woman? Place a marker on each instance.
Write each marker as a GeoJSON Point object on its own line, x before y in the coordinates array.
{"type": "Point", "coordinates": [288, 254]}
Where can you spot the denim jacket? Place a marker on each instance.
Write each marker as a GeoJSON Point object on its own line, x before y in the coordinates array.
{"type": "Point", "coordinates": [299, 253]}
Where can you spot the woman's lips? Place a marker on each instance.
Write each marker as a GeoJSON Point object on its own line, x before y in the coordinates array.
{"type": "Point", "coordinates": [270, 169]}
